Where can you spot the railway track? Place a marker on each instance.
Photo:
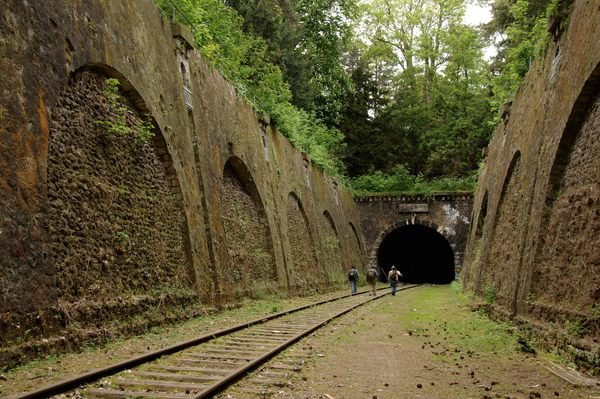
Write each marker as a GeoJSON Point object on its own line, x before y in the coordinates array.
{"type": "Point", "coordinates": [202, 367]}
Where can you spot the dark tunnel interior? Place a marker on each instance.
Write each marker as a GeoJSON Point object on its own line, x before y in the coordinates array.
{"type": "Point", "coordinates": [420, 253]}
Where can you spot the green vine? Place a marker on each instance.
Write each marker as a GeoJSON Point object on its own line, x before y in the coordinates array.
{"type": "Point", "coordinates": [331, 242]}
{"type": "Point", "coordinates": [143, 130]}
{"type": "Point", "coordinates": [490, 293]}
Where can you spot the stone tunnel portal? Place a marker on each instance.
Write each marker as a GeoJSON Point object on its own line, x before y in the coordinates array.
{"type": "Point", "coordinates": [420, 253]}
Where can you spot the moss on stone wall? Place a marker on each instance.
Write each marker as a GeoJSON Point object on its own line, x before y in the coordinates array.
{"type": "Point", "coordinates": [505, 247]}
{"type": "Point", "coordinates": [305, 272]}
{"type": "Point", "coordinates": [115, 228]}
{"type": "Point", "coordinates": [98, 223]}
{"type": "Point", "coordinates": [251, 265]}
{"type": "Point", "coordinates": [540, 241]}
{"type": "Point", "coordinates": [331, 247]}
{"type": "Point", "coordinates": [567, 267]}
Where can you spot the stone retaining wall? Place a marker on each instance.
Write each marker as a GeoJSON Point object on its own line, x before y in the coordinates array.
{"type": "Point", "coordinates": [104, 233]}
{"type": "Point", "coordinates": [534, 251]}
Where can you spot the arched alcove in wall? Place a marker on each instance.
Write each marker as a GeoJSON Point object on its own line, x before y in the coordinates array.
{"type": "Point", "coordinates": [304, 268]}
{"type": "Point", "coordinates": [481, 217]}
{"type": "Point", "coordinates": [472, 273]}
{"type": "Point", "coordinates": [115, 213]}
{"type": "Point", "coordinates": [503, 259]}
{"type": "Point", "coordinates": [247, 235]}
{"type": "Point", "coordinates": [358, 252]}
{"type": "Point", "coordinates": [330, 221]}
{"type": "Point", "coordinates": [418, 250]}
{"type": "Point", "coordinates": [332, 247]}
{"type": "Point", "coordinates": [566, 270]}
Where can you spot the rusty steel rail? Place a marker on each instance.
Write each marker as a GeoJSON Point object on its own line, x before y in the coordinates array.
{"type": "Point", "coordinates": [219, 386]}
{"type": "Point", "coordinates": [95, 375]}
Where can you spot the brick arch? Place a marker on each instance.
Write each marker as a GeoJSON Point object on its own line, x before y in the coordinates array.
{"type": "Point", "coordinates": [251, 266]}
{"type": "Point", "coordinates": [357, 256]}
{"type": "Point", "coordinates": [329, 218]}
{"type": "Point", "coordinates": [408, 242]}
{"type": "Point", "coordinates": [361, 248]}
{"type": "Point", "coordinates": [481, 216]}
{"type": "Point", "coordinates": [239, 167]}
{"type": "Point", "coordinates": [579, 113]}
{"type": "Point", "coordinates": [475, 250]}
{"type": "Point", "coordinates": [415, 220]}
{"type": "Point", "coordinates": [115, 205]}
{"type": "Point", "coordinates": [295, 197]}
{"type": "Point", "coordinates": [158, 141]}
{"type": "Point", "coordinates": [131, 93]}
{"type": "Point", "coordinates": [513, 169]}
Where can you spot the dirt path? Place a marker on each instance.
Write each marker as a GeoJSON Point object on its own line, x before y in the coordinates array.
{"type": "Point", "coordinates": [425, 343]}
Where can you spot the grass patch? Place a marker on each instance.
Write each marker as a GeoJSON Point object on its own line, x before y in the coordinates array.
{"type": "Point", "coordinates": [445, 310]}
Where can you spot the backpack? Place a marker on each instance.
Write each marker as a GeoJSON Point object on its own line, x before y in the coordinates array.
{"type": "Point", "coordinates": [371, 275]}
{"type": "Point", "coordinates": [352, 275]}
{"type": "Point", "coordinates": [394, 276]}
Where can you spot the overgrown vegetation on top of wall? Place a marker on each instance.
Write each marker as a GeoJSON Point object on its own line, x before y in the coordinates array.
{"type": "Point", "coordinates": [523, 26]}
{"type": "Point", "coordinates": [244, 60]}
{"type": "Point", "coordinates": [402, 182]}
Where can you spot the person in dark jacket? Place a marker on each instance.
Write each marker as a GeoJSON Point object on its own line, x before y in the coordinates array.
{"type": "Point", "coordinates": [353, 279]}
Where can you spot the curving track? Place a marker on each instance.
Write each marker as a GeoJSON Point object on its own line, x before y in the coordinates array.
{"type": "Point", "coordinates": [204, 366]}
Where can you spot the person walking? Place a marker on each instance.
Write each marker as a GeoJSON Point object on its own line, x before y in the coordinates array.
{"type": "Point", "coordinates": [372, 279]}
{"type": "Point", "coordinates": [353, 279]}
{"type": "Point", "coordinates": [393, 277]}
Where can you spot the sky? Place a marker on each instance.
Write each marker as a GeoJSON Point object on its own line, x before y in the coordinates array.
{"type": "Point", "coordinates": [476, 14]}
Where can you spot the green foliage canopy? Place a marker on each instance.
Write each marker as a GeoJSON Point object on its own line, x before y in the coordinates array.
{"type": "Point", "coordinates": [244, 59]}
{"type": "Point", "coordinates": [422, 81]}
{"type": "Point", "coordinates": [396, 92]}
{"type": "Point", "coordinates": [400, 180]}
{"type": "Point", "coordinates": [521, 26]}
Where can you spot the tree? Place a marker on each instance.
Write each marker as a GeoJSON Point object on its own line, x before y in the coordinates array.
{"type": "Point", "coordinates": [462, 108]}
{"type": "Point", "coordinates": [306, 40]}
{"type": "Point", "coordinates": [326, 31]}
{"type": "Point", "coordinates": [415, 31]}
{"type": "Point", "coordinates": [278, 23]}
{"type": "Point", "coordinates": [435, 113]}
{"type": "Point", "coordinates": [520, 26]}
{"type": "Point", "coordinates": [356, 122]}
{"type": "Point", "coordinates": [246, 60]}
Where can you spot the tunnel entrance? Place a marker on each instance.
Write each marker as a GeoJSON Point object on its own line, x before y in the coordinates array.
{"type": "Point", "coordinates": [420, 253]}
